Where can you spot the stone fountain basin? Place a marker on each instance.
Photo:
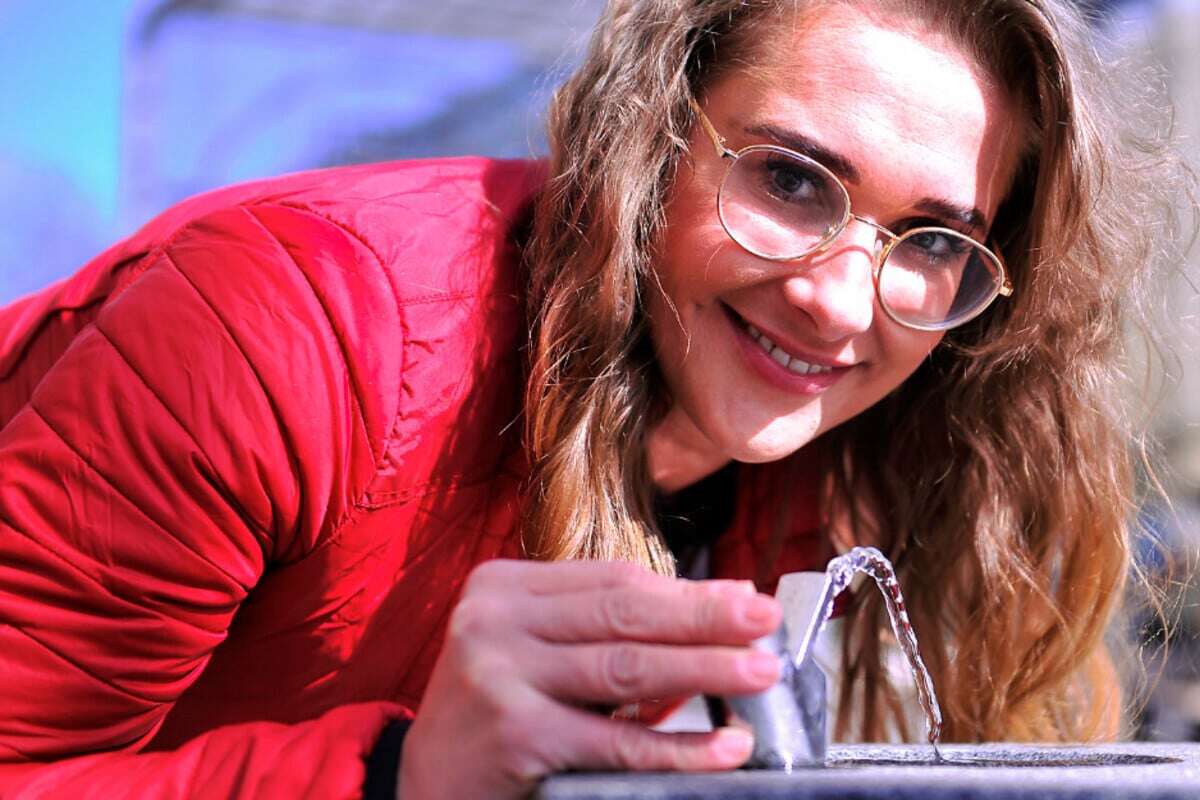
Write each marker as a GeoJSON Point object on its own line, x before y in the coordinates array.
{"type": "Point", "coordinates": [904, 772]}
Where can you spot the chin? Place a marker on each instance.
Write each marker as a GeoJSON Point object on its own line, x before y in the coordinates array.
{"type": "Point", "coordinates": [765, 448]}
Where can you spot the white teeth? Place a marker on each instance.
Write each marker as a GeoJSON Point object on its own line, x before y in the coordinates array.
{"type": "Point", "coordinates": [783, 358]}
{"type": "Point", "coordinates": [803, 368]}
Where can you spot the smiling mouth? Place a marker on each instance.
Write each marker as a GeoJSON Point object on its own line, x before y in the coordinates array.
{"type": "Point", "coordinates": [780, 356]}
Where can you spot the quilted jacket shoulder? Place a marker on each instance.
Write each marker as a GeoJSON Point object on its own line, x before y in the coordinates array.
{"type": "Point", "coordinates": [215, 398]}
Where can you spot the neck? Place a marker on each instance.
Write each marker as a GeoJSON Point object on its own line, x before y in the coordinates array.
{"type": "Point", "coordinates": [678, 454]}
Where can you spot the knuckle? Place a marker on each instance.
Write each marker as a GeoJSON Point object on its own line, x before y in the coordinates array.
{"type": "Point", "coordinates": [632, 748]}
{"type": "Point", "coordinates": [521, 769]}
{"type": "Point", "coordinates": [706, 614]}
{"type": "Point", "coordinates": [620, 613]}
{"type": "Point", "coordinates": [481, 675]}
{"type": "Point", "coordinates": [474, 617]}
{"type": "Point", "coordinates": [516, 753]}
{"type": "Point", "coordinates": [622, 670]}
{"type": "Point", "coordinates": [706, 610]}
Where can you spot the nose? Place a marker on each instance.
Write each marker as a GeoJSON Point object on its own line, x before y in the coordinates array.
{"type": "Point", "coordinates": [835, 287]}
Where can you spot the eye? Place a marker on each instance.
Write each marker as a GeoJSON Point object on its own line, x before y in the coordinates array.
{"type": "Point", "coordinates": [792, 181]}
{"type": "Point", "coordinates": [938, 246]}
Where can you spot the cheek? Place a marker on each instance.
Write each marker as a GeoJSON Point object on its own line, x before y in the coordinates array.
{"type": "Point", "coordinates": [906, 350]}
{"type": "Point", "coordinates": [687, 275]}
{"type": "Point", "coordinates": [692, 231]}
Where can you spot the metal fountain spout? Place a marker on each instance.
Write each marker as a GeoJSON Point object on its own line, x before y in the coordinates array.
{"type": "Point", "coordinates": [789, 719]}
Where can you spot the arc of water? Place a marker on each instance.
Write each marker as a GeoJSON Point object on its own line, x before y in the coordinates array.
{"type": "Point", "coordinates": [838, 575]}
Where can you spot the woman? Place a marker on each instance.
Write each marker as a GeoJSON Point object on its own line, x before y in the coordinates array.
{"type": "Point", "coordinates": [851, 271]}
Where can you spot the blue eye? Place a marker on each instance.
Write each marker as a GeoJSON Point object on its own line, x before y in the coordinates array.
{"type": "Point", "coordinates": [939, 246]}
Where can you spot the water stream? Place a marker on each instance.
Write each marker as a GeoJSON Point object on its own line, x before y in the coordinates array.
{"type": "Point", "coordinates": [838, 575]}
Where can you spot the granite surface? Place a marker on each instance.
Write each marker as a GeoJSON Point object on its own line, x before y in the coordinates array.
{"type": "Point", "coordinates": [905, 772]}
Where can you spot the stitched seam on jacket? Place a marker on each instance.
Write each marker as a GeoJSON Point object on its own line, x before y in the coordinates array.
{"type": "Point", "coordinates": [358, 237]}
{"type": "Point", "coordinates": [353, 234]}
{"type": "Point", "coordinates": [360, 502]}
{"type": "Point", "coordinates": [418, 490]}
{"type": "Point", "coordinates": [117, 490]}
{"type": "Point", "coordinates": [216, 481]}
{"type": "Point", "coordinates": [413, 300]}
{"type": "Point", "coordinates": [439, 297]}
{"type": "Point", "coordinates": [103, 681]}
{"type": "Point", "coordinates": [356, 383]}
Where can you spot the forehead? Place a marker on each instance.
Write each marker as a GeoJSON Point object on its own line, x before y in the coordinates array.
{"type": "Point", "coordinates": [889, 93]}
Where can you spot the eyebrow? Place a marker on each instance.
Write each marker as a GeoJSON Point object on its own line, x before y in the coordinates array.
{"type": "Point", "coordinates": [842, 167]}
{"type": "Point", "coordinates": [971, 217]}
{"type": "Point", "coordinates": [837, 164]}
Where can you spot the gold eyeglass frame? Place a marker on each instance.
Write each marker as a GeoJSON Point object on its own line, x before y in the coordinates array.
{"type": "Point", "coordinates": [1003, 288]}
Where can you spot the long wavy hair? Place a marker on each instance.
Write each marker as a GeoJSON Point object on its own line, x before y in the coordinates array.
{"type": "Point", "coordinates": [1011, 531]}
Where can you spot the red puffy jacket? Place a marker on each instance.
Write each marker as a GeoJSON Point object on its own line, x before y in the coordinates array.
{"type": "Point", "coordinates": [247, 458]}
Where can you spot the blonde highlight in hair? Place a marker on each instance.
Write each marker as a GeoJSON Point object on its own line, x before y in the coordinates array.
{"type": "Point", "coordinates": [1011, 530]}
{"type": "Point", "coordinates": [616, 129]}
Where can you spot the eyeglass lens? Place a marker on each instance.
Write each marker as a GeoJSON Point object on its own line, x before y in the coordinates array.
{"type": "Point", "coordinates": [778, 205]}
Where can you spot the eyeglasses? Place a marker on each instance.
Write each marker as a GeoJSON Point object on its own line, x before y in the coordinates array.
{"type": "Point", "coordinates": [783, 206]}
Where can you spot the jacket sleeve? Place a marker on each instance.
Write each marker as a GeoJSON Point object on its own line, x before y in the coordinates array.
{"type": "Point", "coordinates": [206, 426]}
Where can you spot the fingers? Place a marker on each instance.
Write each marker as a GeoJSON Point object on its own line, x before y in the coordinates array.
{"type": "Point", "coordinates": [625, 672]}
{"type": "Point", "coordinates": [604, 744]}
{"type": "Point", "coordinates": [676, 612]}
{"type": "Point", "coordinates": [542, 578]}
{"type": "Point", "coordinates": [549, 578]}
{"type": "Point", "coordinates": [529, 643]}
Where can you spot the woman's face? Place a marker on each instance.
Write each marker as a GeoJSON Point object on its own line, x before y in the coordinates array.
{"type": "Point", "coordinates": [914, 126]}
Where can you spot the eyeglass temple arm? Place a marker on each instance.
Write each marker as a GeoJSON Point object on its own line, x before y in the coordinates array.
{"type": "Point", "coordinates": [717, 139]}
{"type": "Point", "coordinates": [1006, 287]}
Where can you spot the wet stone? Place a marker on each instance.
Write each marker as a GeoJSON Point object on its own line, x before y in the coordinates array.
{"type": "Point", "coordinates": [907, 772]}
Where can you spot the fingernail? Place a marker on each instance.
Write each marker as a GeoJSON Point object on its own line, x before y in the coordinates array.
{"type": "Point", "coordinates": [759, 610]}
{"type": "Point", "coordinates": [734, 743]}
{"type": "Point", "coordinates": [761, 666]}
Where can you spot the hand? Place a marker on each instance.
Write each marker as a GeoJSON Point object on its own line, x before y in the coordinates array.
{"type": "Point", "coordinates": [532, 645]}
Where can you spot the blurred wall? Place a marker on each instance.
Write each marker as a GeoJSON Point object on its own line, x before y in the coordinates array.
{"type": "Point", "coordinates": [60, 90]}
{"type": "Point", "coordinates": [119, 108]}
{"type": "Point", "coordinates": [1168, 33]}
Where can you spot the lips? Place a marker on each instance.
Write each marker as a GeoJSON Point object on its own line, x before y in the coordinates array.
{"type": "Point", "coordinates": [782, 357]}
{"type": "Point", "coordinates": [778, 354]}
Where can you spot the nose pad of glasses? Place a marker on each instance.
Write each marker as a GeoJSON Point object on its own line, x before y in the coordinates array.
{"type": "Point", "coordinates": [830, 238]}
{"type": "Point", "coordinates": [877, 257]}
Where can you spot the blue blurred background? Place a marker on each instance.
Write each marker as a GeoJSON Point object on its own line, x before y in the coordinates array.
{"type": "Point", "coordinates": [114, 109]}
